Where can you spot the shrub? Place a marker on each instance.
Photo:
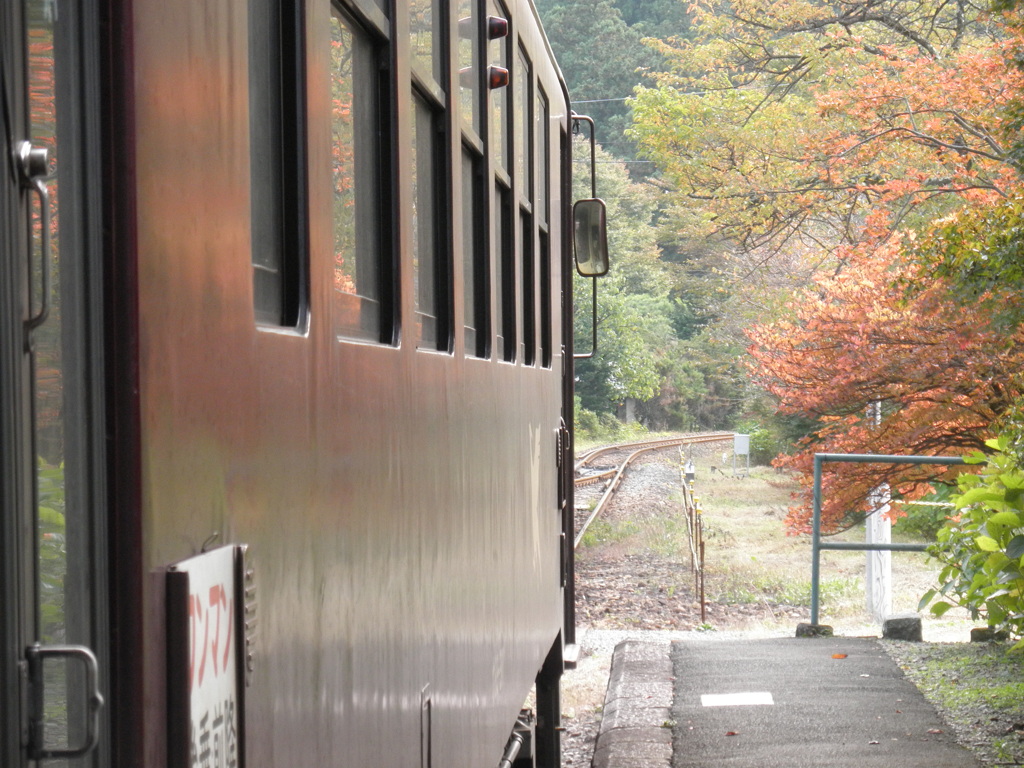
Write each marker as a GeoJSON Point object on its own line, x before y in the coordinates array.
{"type": "Point", "coordinates": [982, 547]}
{"type": "Point", "coordinates": [764, 443]}
{"type": "Point", "coordinates": [924, 521]}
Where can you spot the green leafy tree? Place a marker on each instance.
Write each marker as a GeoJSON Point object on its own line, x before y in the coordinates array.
{"type": "Point", "coordinates": [981, 253]}
{"type": "Point", "coordinates": [603, 60]}
{"type": "Point", "coordinates": [657, 18]}
{"type": "Point", "coordinates": [633, 306]}
{"type": "Point", "coordinates": [631, 330]}
{"type": "Point", "coordinates": [981, 548]}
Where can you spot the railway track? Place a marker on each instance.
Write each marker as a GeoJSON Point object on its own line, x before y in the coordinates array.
{"type": "Point", "coordinates": [620, 456]}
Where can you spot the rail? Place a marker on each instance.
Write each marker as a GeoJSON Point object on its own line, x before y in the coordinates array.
{"type": "Point", "coordinates": [707, 437]}
{"type": "Point", "coordinates": [595, 478]}
{"type": "Point", "coordinates": [619, 472]}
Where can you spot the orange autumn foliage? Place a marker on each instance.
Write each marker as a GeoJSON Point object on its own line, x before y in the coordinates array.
{"type": "Point", "coordinates": [784, 123]}
{"type": "Point", "coordinates": [942, 372]}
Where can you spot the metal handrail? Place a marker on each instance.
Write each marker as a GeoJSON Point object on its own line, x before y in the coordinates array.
{"type": "Point", "coordinates": [817, 545]}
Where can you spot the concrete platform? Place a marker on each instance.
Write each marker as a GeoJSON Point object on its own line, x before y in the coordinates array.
{"type": "Point", "coordinates": [636, 727]}
{"type": "Point", "coordinates": [782, 702]}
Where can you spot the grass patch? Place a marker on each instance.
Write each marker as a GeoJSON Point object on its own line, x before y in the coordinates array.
{"type": "Point", "coordinates": [752, 558]}
{"type": "Point", "coordinates": [667, 536]}
{"type": "Point", "coordinates": [968, 675]}
{"type": "Point", "coordinates": [783, 588]}
{"type": "Point", "coordinates": [601, 532]}
{"type": "Point", "coordinates": [979, 688]}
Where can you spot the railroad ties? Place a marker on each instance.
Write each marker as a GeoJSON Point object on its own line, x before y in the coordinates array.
{"type": "Point", "coordinates": [620, 456]}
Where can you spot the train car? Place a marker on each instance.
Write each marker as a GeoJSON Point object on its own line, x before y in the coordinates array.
{"type": "Point", "coordinates": [285, 384]}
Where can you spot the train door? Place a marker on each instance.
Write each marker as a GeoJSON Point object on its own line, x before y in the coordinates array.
{"type": "Point", "coordinates": [51, 404]}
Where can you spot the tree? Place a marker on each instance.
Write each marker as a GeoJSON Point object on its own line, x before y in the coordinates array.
{"type": "Point", "coordinates": [656, 18]}
{"type": "Point", "coordinates": [660, 341]}
{"type": "Point", "coordinates": [810, 125]}
{"type": "Point", "coordinates": [634, 326]}
{"type": "Point", "coordinates": [883, 331]}
{"type": "Point", "coordinates": [981, 547]}
{"type": "Point", "coordinates": [603, 60]}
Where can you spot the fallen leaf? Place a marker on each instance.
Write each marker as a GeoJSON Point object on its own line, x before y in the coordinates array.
{"type": "Point", "coordinates": [732, 733]}
{"type": "Point", "coordinates": [934, 730]}
{"type": "Point", "coordinates": [872, 742]}
{"type": "Point", "coordinates": [838, 655]}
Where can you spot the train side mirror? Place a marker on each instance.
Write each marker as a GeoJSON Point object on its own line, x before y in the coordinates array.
{"type": "Point", "coordinates": [590, 237]}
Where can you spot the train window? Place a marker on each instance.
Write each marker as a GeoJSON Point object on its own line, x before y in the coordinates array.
{"type": "Point", "coordinates": [430, 272]}
{"type": "Point", "coordinates": [544, 183]}
{"type": "Point", "coordinates": [543, 157]}
{"type": "Point", "coordinates": [498, 56]}
{"type": "Point", "coordinates": [276, 131]}
{"type": "Point", "coordinates": [524, 150]}
{"type": "Point", "coordinates": [431, 262]}
{"type": "Point", "coordinates": [524, 125]}
{"type": "Point", "coordinates": [362, 279]}
{"type": "Point", "coordinates": [529, 277]}
{"type": "Point", "coordinates": [475, 265]}
{"type": "Point", "coordinates": [426, 27]}
{"type": "Point", "coordinates": [545, 300]}
{"type": "Point", "coordinates": [503, 206]}
{"type": "Point", "coordinates": [470, 77]}
{"type": "Point", "coordinates": [505, 273]}
{"type": "Point", "coordinates": [474, 276]}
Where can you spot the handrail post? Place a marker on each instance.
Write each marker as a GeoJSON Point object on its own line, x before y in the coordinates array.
{"type": "Point", "coordinates": [816, 544]}
{"type": "Point", "coordinates": [816, 540]}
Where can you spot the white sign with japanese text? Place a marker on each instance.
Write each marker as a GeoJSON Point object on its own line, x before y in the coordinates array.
{"type": "Point", "coordinates": [204, 692]}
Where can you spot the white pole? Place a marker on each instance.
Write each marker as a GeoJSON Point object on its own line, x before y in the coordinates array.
{"type": "Point", "coordinates": [878, 578]}
{"type": "Point", "coordinates": [878, 530]}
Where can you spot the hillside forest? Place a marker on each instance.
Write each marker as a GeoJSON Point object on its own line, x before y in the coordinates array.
{"type": "Point", "coordinates": [817, 232]}
{"type": "Point", "coordinates": [815, 214]}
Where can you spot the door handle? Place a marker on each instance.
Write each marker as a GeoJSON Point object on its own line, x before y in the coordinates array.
{"type": "Point", "coordinates": [34, 165]}
{"type": "Point", "coordinates": [36, 656]}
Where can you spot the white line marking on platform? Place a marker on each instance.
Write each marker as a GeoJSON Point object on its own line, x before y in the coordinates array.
{"type": "Point", "coordinates": [761, 698]}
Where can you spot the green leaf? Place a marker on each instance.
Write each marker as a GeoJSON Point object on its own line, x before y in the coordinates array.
{"type": "Point", "coordinates": [975, 495]}
{"type": "Point", "coordinates": [997, 443]}
{"type": "Point", "coordinates": [1005, 518]}
{"type": "Point", "coordinates": [52, 517]}
{"type": "Point", "coordinates": [1015, 547]}
{"type": "Point", "coordinates": [1014, 496]}
{"type": "Point", "coordinates": [926, 598]}
{"type": "Point", "coordinates": [1012, 479]}
{"type": "Point", "coordinates": [1010, 574]}
{"type": "Point", "coordinates": [996, 561]}
{"type": "Point", "coordinates": [987, 543]}
{"type": "Point", "coordinates": [940, 609]}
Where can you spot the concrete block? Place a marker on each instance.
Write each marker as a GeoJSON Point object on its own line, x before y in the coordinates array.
{"type": "Point", "coordinates": [989, 635]}
{"type": "Point", "coordinates": [902, 626]}
{"type": "Point", "coordinates": [813, 630]}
